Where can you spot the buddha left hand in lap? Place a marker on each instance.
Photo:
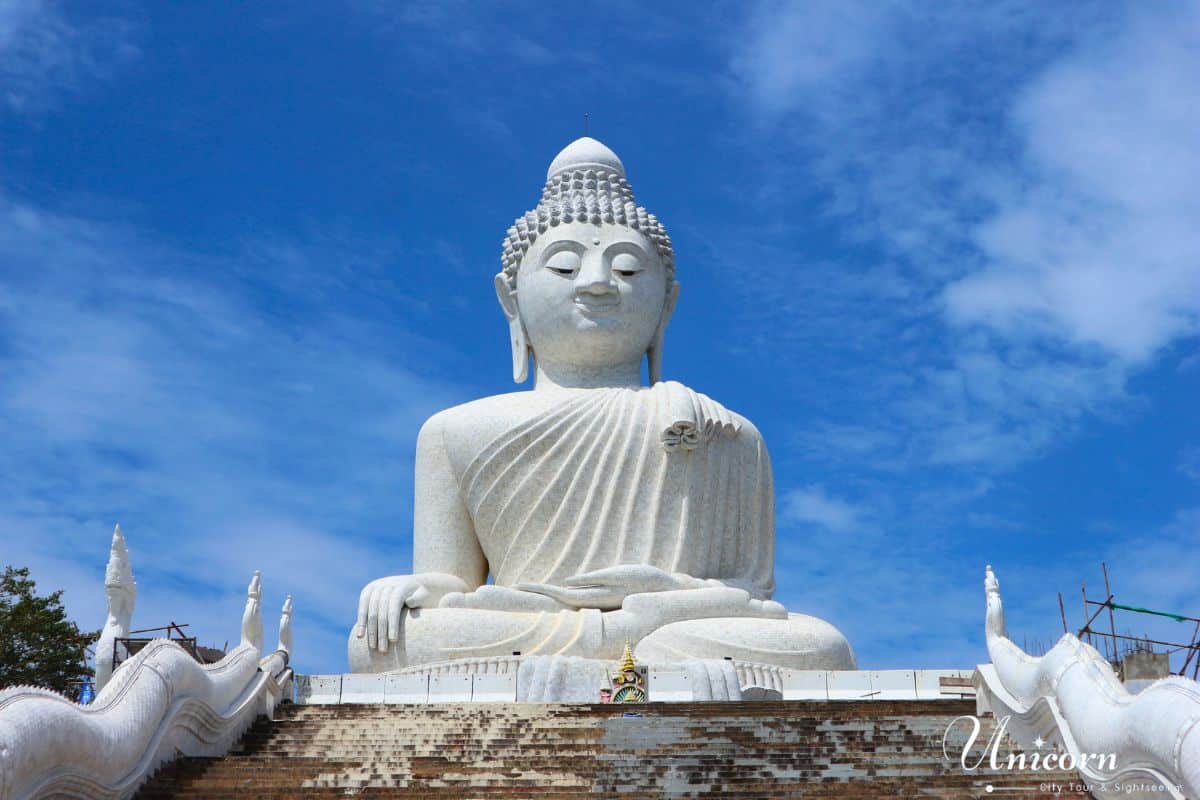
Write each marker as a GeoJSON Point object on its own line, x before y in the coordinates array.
{"type": "Point", "coordinates": [603, 510]}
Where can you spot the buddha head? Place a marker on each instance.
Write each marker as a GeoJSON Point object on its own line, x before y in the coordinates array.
{"type": "Point", "coordinates": [588, 277]}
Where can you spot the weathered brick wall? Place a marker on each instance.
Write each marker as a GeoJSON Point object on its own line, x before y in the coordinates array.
{"type": "Point", "coordinates": [764, 750]}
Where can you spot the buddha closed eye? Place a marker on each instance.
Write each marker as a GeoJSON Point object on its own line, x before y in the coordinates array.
{"type": "Point", "coordinates": [626, 264]}
{"type": "Point", "coordinates": [590, 295]}
{"type": "Point", "coordinates": [622, 260]}
{"type": "Point", "coordinates": [564, 262]}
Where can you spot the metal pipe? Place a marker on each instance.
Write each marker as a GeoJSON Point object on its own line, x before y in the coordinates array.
{"type": "Point", "coordinates": [1087, 625]}
{"type": "Point", "coordinates": [1150, 641]}
{"type": "Point", "coordinates": [162, 628]}
{"type": "Point", "coordinates": [1112, 624]}
{"type": "Point", "coordinates": [1086, 629]}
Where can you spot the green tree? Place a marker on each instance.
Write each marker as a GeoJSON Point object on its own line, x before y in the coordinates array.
{"type": "Point", "coordinates": [38, 644]}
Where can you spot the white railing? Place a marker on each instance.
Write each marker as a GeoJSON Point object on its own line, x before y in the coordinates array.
{"type": "Point", "coordinates": [490, 680]}
{"type": "Point", "coordinates": [158, 705]}
{"type": "Point", "coordinates": [1072, 699]}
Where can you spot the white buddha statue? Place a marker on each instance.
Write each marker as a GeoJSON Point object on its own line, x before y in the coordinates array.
{"type": "Point", "coordinates": [604, 511]}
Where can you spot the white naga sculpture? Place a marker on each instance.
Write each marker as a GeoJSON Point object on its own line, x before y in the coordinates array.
{"type": "Point", "coordinates": [157, 705]}
{"type": "Point", "coordinates": [120, 589]}
{"type": "Point", "coordinates": [604, 511]}
{"type": "Point", "coordinates": [1144, 745]}
{"type": "Point", "coordinates": [285, 627]}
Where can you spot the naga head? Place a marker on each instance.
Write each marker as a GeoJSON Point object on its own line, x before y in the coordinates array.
{"type": "Point", "coordinates": [252, 627]}
{"type": "Point", "coordinates": [119, 586]}
{"type": "Point", "coordinates": [995, 606]}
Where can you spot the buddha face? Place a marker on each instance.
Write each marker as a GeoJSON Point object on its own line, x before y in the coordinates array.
{"type": "Point", "coordinates": [590, 295]}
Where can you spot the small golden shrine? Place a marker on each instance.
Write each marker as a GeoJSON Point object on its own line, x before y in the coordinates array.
{"type": "Point", "coordinates": [629, 682]}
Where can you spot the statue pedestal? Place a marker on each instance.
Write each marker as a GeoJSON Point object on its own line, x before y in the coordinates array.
{"type": "Point", "coordinates": [566, 679]}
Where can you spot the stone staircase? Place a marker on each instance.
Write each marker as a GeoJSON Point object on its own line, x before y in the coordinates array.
{"type": "Point", "coordinates": [875, 749]}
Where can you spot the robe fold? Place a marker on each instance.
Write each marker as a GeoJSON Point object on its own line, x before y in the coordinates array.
{"type": "Point", "coordinates": [658, 475]}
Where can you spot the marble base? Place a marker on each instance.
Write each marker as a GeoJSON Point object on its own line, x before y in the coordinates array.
{"type": "Point", "coordinates": [567, 679]}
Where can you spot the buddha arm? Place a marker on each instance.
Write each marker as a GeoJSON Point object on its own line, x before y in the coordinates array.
{"type": "Point", "coordinates": [443, 535]}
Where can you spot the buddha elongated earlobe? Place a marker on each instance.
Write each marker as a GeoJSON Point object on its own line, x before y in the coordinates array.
{"type": "Point", "coordinates": [520, 351]}
{"type": "Point", "coordinates": [507, 295]}
{"type": "Point", "coordinates": [655, 351]}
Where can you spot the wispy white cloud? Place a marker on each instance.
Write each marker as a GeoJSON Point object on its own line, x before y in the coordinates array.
{"type": "Point", "coordinates": [792, 57]}
{"type": "Point", "coordinates": [914, 598]}
{"type": "Point", "coordinates": [1004, 243]}
{"type": "Point", "coordinates": [456, 43]}
{"type": "Point", "coordinates": [898, 599]}
{"type": "Point", "coordinates": [1099, 245]}
{"type": "Point", "coordinates": [1153, 570]}
{"type": "Point", "coordinates": [1148, 567]}
{"type": "Point", "coordinates": [813, 505]}
{"type": "Point", "coordinates": [220, 407]}
{"type": "Point", "coordinates": [1189, 462]}
{"type": "Point", "coordinates": [1020, 188]}
{"type": "Point", "coordinates": [44, 52]}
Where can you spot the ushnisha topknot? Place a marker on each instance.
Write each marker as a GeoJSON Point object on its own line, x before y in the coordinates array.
{"type": "Point", "coordinates": [585, 183]}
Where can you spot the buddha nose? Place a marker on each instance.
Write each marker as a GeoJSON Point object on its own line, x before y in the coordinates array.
{"type": "Point", "coordinates": [595, 276]}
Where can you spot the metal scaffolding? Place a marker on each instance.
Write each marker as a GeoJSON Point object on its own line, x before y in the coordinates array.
{"type": "Point", "coordinates": [1111, 641]}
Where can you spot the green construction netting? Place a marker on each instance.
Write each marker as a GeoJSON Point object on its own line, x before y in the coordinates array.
{"type": "Point", "coordinates": [1176, 617]}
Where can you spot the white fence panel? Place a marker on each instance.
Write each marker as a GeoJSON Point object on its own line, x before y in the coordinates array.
{"type": "Point", "coordinates": [318, 690]}
{"type": "Point", "coordinates": [893, 684]}
{"type": "Point", "coordinates": [494, 688]}
{"type": "Point", "coordinates": [805, 685]}
{"type": "Point", "coordinates": [450, 689]}
{"type": "Point", "coordinates": [402, 689]}
{"type": "Point", "coordinates": [362, 689]}
{"type": "Point", "coordinates": [668, 686]}
{"type": "Point", "coordinates": [944, 684]}
{"type": "Point", "coordinates": [849, 685]}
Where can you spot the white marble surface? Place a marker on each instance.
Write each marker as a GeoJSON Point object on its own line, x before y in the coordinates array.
{"type": "Point", "coordinates": [562, 679]}
{"type": "Point", "coordinates": [797, 642]}
{"type": "Point", "coordinates": [603, 511]}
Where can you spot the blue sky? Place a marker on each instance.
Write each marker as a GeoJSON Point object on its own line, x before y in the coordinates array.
{"type": "Point", "coordinates": [944, 255]}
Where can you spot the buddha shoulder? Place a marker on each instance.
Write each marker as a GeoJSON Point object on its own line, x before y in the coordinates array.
{"type": "Point", "coordinates": [460, 431]}
{"type": "Point", "coordinates": [747, 436]}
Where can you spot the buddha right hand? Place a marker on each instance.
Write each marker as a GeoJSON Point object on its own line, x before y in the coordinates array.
{"type": "Point", "coordinates": [381, 602]}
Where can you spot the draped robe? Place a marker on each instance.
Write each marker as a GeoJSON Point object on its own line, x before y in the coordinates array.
{"type": "Point", "coordinates": [656, 475]}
